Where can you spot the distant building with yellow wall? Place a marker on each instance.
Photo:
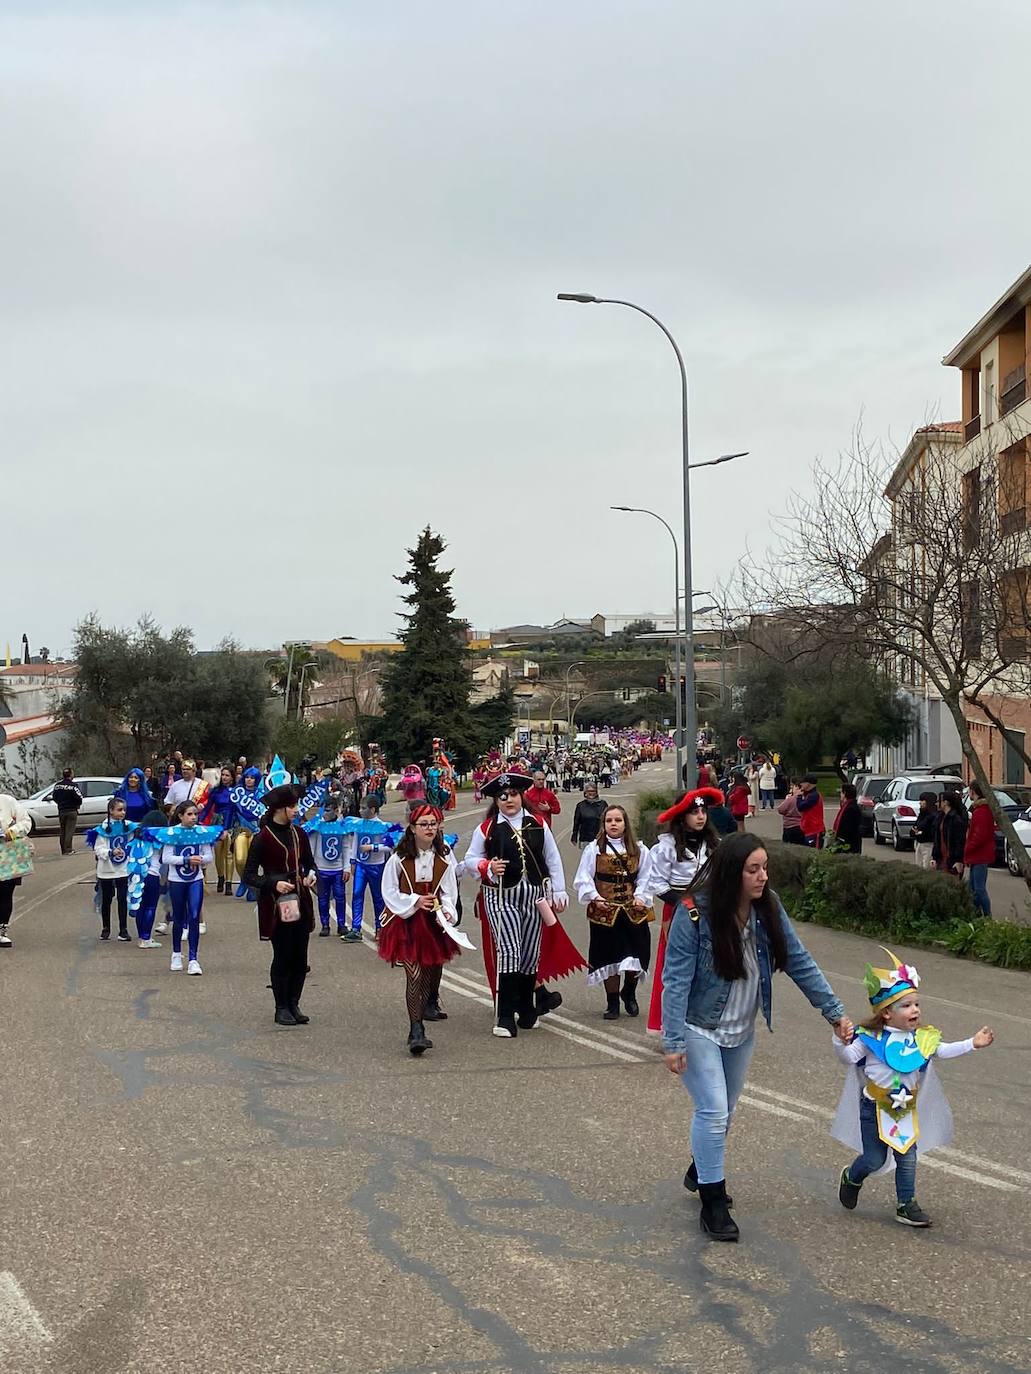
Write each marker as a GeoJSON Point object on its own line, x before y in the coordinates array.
{"type": "Point", "coordinates": [354, 650]}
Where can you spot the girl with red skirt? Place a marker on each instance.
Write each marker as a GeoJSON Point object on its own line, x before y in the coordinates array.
{"type": "Point", "coordinates": [419, 886]}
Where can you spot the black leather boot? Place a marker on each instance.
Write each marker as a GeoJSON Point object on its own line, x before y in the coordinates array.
{"type": "Point", "coordinates": [417, 1042]}
{"type": "Point", "coordinates": [715, 1220]}
{"type": "Point", "coordinates": [629, 995]}
{"type": "Point", "coordinates": [221, 885]}
{"type": "Point", "coordinates": [691, 1182]}
{"type": "Point", "coordinates": [612, 1012]}
{"type": "Point", "coordinates": [545, 1000]}
{"type": "Point", "coordinates": [508, 996]}
{"type": "Point", "coordinates": [298, 1014]}
{"type": "Point", "coordinates": [527, 1010]}
{"type": "Point", "coordinates": [433, 1011]}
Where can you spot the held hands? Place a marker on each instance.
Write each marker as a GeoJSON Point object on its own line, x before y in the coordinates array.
{"type": "Point", "coordinates": [676, 1063]}
{"type": "Point", "coordinates": [310, 880]}
{"type": "Point", "coordinates": [844, 1030]}
{"type": "Point", "coordinates": [983, 1038]}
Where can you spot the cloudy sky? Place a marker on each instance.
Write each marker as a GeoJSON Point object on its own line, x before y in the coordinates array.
{"type": "Point", "coordinates": [279, 287]}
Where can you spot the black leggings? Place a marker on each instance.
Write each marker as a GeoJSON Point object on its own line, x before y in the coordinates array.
{"type": "Point", "coordinates": [289, 961]}
{"type": "Point", "coordinates": [422, 981]}
{"type": "Point", "coordinates": [109, 889]}
{"type": "Point", "coordinates": [7, 899]}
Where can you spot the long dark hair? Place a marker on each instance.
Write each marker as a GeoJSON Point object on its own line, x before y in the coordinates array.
{"type": "Point", "coordinates": [679, 831]}
{"type": "Point", "coordinates": [722, 886]}
{"type": "Point", "coordinates": [629, 841]}
{"type": "Point", "coordinates": [408, 849]}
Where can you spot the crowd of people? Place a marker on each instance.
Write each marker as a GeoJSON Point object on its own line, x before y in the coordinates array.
{"type": "Point", "coordinates": [722, 934]}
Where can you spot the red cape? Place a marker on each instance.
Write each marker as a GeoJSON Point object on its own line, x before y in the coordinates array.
{"type": "Point", "coordinates": [559, 956]}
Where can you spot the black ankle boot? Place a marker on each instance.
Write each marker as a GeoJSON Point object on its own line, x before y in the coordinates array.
{"type": "Point", "coordinates": [298, 1014]}
{"type": "Point", "coordinates": [612, 1013]}
{"type": "Point", "coordinates": [433, 1011]}
{"type": "Point", "coordinates": [629, 995]}
{"type": "Point", "coordinates": [221, 885]}
{"type": "Point", "coordinates": [691, 1182]}
{"type": "Point", "coordinates": [527, 1010]}
{"type": "Point", "coordinates": [545, 1000]}
{"type": "Point", "coordinates": [417, 1042]}
{"type": "Point", "coordinates": [285, 1017]}
{"type": "Point", "coordinates": [715, 1220]}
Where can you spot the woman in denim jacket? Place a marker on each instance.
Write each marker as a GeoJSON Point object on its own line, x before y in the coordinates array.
{"type": "Point", "coordinates": [719, 967]}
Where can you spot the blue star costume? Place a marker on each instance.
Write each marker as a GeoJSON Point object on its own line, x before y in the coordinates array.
{"type": "Point", "coordinates": [372, 843]}
{"type": "Point", "coordinates": [329, 844]}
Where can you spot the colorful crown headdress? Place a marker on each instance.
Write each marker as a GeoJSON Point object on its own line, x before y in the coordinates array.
{"type": "Point", "coordinates": [887, 985]}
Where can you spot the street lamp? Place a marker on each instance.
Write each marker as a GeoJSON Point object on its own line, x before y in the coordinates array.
{"type": "Point", "coordinates": [292, 645]}
{"type": "Point", "coordinates": [300, 690]}
{"type": "Point", "coordinates": [580, 664]}
{"type": "Point", "coordinates": [678, 729]}
{"type": "Point", "coordinates": [690, 710]}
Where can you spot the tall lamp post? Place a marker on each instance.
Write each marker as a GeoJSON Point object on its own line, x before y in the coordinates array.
{"type": "Point", "coordinates": [690, 708]}
{"type": "Point", "coordinates": [678, 727]}
{"type": "Point", "coordinates": [579, 664]}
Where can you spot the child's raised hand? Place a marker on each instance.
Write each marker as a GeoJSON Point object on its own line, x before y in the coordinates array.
{"type": "Point", "coordinates": [983, 1038]}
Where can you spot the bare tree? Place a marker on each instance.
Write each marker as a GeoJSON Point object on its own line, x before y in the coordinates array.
{"type": "Point", "coordinates": [920, 561]}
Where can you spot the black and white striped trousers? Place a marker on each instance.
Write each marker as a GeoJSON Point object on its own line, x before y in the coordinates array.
{"type": "Point", "coordinates": [515, 924]}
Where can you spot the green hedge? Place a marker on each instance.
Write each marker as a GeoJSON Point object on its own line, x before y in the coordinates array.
{"type": "Point", "coordinates": [885, 900]}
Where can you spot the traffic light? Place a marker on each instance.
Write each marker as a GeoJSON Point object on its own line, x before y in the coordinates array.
{"type": "Point", "coordinates": [662, 682]}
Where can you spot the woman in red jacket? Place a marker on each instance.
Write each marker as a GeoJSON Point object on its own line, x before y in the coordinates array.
{"type": "Point", "coordinates": [739, 800]}
{"type": "Point", "coordinates": [979, 849]}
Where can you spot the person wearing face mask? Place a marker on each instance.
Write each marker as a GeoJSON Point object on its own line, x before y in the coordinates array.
{"type": "Point", "coordinates": [677, 859]}
{"type": "Point", "coordinates": [612, 881]}
{"type": "Point", "coordinates": [522, 885]}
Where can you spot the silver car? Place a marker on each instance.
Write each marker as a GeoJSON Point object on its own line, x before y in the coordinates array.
{"type": "Point", "coordinates": [96, 793]}
{"type": "Point", "coordinates": [897, 807]}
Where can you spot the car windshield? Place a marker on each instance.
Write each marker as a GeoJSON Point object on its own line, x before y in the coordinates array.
{"type": "Point", "coordinates": [873, 787]}
{"type": "Point", "coordinates": [1004, 798]}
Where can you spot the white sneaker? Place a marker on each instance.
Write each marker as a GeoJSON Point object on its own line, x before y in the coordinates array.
{"type": "Point", "coordinates": [203, 928]}
{"type": "Point", "coordinates": [150, 944]}
{"type": "Point", "coordinates": [194, 967]}
{"type": "Point", "coordinates": [5, 940]}
{"type": "Point", "coordinates": [176, 966]}
{"type": "Point", "coordinates": [160, 928]}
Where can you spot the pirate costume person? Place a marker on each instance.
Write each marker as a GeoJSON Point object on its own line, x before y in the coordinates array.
{"type": "Point", "coordinates": [613, 883]}
{"type": "Point", "coordinates": [522, 890]}
{"type": "Point", "coordinates": [420, 890]}
{"type": "Point", "coordinates": [676, 861]}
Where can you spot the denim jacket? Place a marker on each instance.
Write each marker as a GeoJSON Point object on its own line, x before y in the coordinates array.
{"type": "Point", "coordinates": [694, 993]}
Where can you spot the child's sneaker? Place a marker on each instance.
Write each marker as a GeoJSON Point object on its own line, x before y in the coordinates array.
{"type": "Point", "coordinates": [160, 928]}
{"type": "Point", "coordinates": [203, 928]}
{"type": "Point", "coordinates": [124, 936]}
{"type": "Point", "coordinates": [176, 966]}
{"type": "Point", "coordinates": [194, 968]}
{"type": "Point", "coordinates": [150, 944]}
{"type": "Point", "coordinates": [911, 1214]}
{"type": "Point", "coordinates": [848, 1192]}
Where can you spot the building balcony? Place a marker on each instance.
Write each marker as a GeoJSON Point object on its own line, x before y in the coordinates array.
{"type": "Point", "coordinates": [1014, 390]}
{"type": "Point", "coordinates": [972, 428]}
{"type": "Point", "coordinates": [1013, 521]}
{"type": "Point", "coordinates": [1013, 648]}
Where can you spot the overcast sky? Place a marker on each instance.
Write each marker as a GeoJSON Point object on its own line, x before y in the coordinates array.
{"type": "Point", "coordinates": [279, 286]}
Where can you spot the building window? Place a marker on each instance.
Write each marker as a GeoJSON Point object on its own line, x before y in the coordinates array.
{"type": "Point", "coordinates": [970, 618]}
{"type": "Point", "coordinates": [1013, 489]}
{"type": "Point", "coordinates": [971, 508]}
{"type": "Point", "coordinates": [1013, 629]}
{"type": "Point", "coordinates": [1014, 765]}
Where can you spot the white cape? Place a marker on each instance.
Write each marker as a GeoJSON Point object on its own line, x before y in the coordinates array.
{"type": "Point", "coordinates": [933, 1114]}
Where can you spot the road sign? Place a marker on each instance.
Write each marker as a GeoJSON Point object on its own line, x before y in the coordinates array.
{"type": "Point", "coordinates": [742, 741]}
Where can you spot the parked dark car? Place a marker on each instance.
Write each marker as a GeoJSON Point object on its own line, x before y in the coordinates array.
{"type": "Point", "coordinates": [869, 787]}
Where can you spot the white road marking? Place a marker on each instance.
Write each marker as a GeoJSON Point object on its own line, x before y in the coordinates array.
{"type": "Point", "coordinates": [21, 1326]}
{"type": "Point", "coordinates": [46, 897]}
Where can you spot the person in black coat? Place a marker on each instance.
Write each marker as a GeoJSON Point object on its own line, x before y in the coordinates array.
{"type": "Point", "coordinates": [951, 838]}
{"type": "Point", "coordinates": [587, 816]}
{"type": "Point", "coordinates": [847, 821]}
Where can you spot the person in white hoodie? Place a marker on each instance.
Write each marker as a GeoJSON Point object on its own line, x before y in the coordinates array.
{"type": "Point", "coordinates": [15, 824]}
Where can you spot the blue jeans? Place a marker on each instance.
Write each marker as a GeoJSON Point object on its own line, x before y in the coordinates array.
{"type": "Point", "coordinates": [331, 888]}
{"type": "Point", "coordinates": [714, 1077]}
{"type": "Point", "coordinates": [979, 888]}
{"type": "Point", "coordinates": [366, 876]}
{"type": "Point", "coordinates": [768, 797]}
{"type": "Point", "coordinates": [875, 1152]}
{"type": "Point", "coordinates": [187, 899]}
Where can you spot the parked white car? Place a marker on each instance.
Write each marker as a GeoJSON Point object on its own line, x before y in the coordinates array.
{"type": "Point", "coordinates": [95, 794]}
{"type": "Point", "coordinates": [1022, 825]}
{"type": "Point", "coordinates": [896, 809]}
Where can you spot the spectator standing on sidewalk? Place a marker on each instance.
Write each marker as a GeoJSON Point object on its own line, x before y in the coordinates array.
{"type": "Point", "coordinates": [790, 818]}
{"type": "Point", "coordinates": [68, 799]}
{"type": "Point", "coordinates": [752, 778]}
{"type": "Point", "coordinates": [925, 828]}
{"type": "Point", "coordinates": [847, 821]}
{"type": "Point", "coordinates": [767, 785]}
{"type": "Point", "coordinates": [15, 824]}
{"type": "Point", "coordinates": [951, 838]}
{"type": "Point", "coordinates": [979, 848]}
{"type": "Point", "coordinates": [810, 810]}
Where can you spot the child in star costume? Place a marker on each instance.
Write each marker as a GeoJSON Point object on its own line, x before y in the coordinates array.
{"type": "Point", "coordinates": [371, 844]}
{"type": "Point", "coordinates": [891, 1075]}
{"type": "Point", "coordinates": [186, 850]}
{"type": "Point", "coordinates": [110, 845]}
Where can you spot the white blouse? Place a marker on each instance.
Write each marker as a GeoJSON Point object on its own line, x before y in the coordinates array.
{"type": "Point", "coordinates": [668, 871]}
{"type": "Point", "coordinates": [395, 885]}
{"type": "Point", "coordinates": [584, 881]}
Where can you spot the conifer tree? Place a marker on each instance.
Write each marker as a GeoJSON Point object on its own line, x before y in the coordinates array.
{"type": "Point", "coordinates": [426, 686]}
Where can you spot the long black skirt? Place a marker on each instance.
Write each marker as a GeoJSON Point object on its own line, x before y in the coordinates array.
{"type": "Point", "coordinates": [623, 947]}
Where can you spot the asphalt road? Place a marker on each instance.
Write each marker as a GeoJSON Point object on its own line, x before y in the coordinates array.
{"type": "Point", "coordinates": [189, 1188]}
